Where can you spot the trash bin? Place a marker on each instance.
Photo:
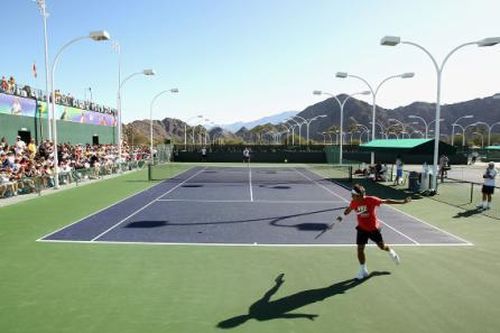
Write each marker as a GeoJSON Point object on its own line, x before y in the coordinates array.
{"type": "Point", "coordinates": [414, 181]}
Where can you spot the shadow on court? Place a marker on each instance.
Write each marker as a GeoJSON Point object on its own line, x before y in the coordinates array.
{"type": "Point", "coordinates": [274, 221]}
{"type": "Point", "coordinates": [468, 213]}
{"type": "Point", "coordinates": [265, 309]}
{"type": "Point", "coordinates": [146, 224]}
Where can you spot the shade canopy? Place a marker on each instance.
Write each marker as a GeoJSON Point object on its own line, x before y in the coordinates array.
{"type": "Point", "coordinates": [407, 146]}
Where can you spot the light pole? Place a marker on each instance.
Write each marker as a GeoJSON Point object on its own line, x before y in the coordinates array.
{"type": "Point", "coordinates": [469, 116]}
{"type": "Point", "coordinates": [96, 36]}
{"type": "Point", "coordinates": [344, 75]}
{"type": "Point", "coordinates": [392, 41]}
{"type": "Point", "coordinates": [147, 72]}
{"type": "Point", "coordinates": [287, 131]}
{"type": "Point", "coordinates": [304, 121]}
{"type": "Point", "coordinates": [341, 105]}
{"type": "Point", "coordinates": [482, 138]}
{"type": "Point", "coordinates": [464, 128]}
{"type": "Point", "coordinates": [382, 129]}
{"type": "Point", "coordinates": [43, 11]}
{"type": "Point", "coordinates": [293, 130]}
{"type": "Point", "coordinates": [185, 129]}
{"type": "Point", "coordinates": [403, 126]}
{"type": "Point", "coordinates": [309, 123]}
{"type": "Point", "coordinates": [490, 127]}
{"type": "Point", "coordinates": [173, 91]}
{"type": "Point", "coordinates": [412, 116]}
{"type": "Point", "coordinates": [324, 137]}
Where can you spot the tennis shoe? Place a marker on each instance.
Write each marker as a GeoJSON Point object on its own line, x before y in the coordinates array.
{"type": "Point", "coordinates": [363, 272]}
{"type": "Point", "coordinates": [394, 256]}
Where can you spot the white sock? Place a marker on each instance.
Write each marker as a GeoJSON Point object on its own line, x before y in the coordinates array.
{"type": "Point", "coordinates": [363, 267]}
{"type": "Point", "coordinates": [392, 252]}
{"type": "Point", "coordinates": [485, 204]}
{"type": "Point", "coordinates": [488, 204]}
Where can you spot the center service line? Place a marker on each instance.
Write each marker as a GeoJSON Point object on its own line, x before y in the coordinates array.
{"type": "Point", "coordinates": [250, 182]}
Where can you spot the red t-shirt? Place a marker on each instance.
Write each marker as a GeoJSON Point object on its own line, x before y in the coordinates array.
{"type": "Point", "coordinates": [365, 211]}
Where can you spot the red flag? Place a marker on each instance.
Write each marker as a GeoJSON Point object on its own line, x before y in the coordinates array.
{"type": "Point", "coordinates": [35, 75]}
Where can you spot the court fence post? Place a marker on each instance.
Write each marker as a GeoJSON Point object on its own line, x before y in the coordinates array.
{"type": "Point", "coordinates": [350, 173]}
{"type": "Point", "coordinates": [471, 192]}
{"type": "Point", "coordinates": [150, 170]}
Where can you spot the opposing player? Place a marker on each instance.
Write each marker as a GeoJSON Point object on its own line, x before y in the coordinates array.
{"type": "Point", "coordinates": [368, 225]}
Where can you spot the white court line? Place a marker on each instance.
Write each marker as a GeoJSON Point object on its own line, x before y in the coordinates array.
{"type": "Point", "coordinates": [245, 244]}
{"type": "Point", "coordinates": [248, 201]}
{"type": "Point", "coordinates": [115, 203]}
{"type": "Point", "coordinates": [326, 188]}
{"type": "Point", "coordinates": [250, 181]}
{"type": "Point", "coordinates": [141, 209]}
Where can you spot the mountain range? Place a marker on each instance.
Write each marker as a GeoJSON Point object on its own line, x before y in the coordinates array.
{"type": "Point", "coordinates": [356, 113]}
{"type": "Point", "coordinates": [274, 119]}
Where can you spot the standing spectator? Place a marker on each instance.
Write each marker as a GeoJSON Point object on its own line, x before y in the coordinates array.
{"type": "Point", "coordinates": [32, 148]}
{"type": "Point", "coordinates": [246, 155]}
{"type": "Point", "coordinates": [20, 145]}
{"type": "Point", "coordinates": [488, 186]}
{"type": "Point", "coordinates": [4, 85]}
{"type": "Point", "coordinates": [444, 165]}
{"type": "Point", "coordinates": [399, 170]}
{"type": "Point", "coordinates": [204, 154]}
{"type": "Point", "coordinates": [474, 157]}
{"type": "Point", "coordinates": [4, 145]}
{"type": "Point", "coordinates": [11, 85]}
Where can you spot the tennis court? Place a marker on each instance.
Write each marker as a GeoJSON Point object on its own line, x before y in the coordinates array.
{"type": "Point", "coordinates": [243, 206]}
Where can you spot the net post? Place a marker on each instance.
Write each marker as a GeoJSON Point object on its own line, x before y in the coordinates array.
{"type": "Point", "coordinates": [471, 192]}
{"type": "Point", "coordinates": [350, 173]}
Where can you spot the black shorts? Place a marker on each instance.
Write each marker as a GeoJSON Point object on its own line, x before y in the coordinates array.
{"type": "Point", "coordinates": [363, 236]}
{"type": "Point", "coordinates": [488, 189]}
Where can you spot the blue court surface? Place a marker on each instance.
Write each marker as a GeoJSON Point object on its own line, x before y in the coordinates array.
{"type": "Point", "coordinates": [243, 206]}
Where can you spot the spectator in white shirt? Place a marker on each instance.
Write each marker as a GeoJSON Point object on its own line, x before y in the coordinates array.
{"type": "Point", "coordinates": [488, 186]}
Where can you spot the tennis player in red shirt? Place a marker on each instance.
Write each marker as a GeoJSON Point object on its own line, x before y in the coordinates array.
{"type": "Point", "coordinates": [368, 225]}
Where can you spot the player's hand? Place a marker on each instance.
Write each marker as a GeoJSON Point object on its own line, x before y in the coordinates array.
{"type": "Point", "coordinates": [339, 219]}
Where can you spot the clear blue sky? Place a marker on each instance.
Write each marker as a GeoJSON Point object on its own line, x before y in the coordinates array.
{"type": "Point", "coordinates": [241, 60]}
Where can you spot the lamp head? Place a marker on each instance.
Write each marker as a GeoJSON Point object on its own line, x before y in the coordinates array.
{"type": "Point", "coordinates": [174, 90]}
{"type": "Point", "coordinates": [469, 116]}
{"type": "Point", "coordinates": [99, 35]}
{"type": "Point", "coordinates": [341, 75]}
{"type": "Point", "coordinates": [390, 40]}
{"type": "Point", "coordinates": [366, 92]}
{"type": "Point", "coordinates": [317, 92]}
{"type": "Point", "coordinates": [148, 72]}
{"type": "Point", "coordinates": [412, 116]}
{"type": "Point", "coordinates": [490, 41]}
{"type": "Point", "coordinates": [407, 75]}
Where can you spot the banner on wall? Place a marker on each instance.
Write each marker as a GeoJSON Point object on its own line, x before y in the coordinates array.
{"type": "Point", "coordinates": [20, 106]}
{"type": "Point", "coordinates": [68, 113]}
{"type": "Point", "coordinates": [16, 105]}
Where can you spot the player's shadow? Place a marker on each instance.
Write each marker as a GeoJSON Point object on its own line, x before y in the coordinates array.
{"type": "Point", "coordinates": [146, 224]}
{"type": "Point", "coordinates": [468, 213]}
{"type": "Point", "coordinates": [303, 226]}
{"type": "Point", "coordinates": [265, 309]}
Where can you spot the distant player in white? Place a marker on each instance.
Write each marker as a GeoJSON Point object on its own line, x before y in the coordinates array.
{"type": "Point", "coordinates": [488, 186]}
{"type": "Point", "coordinates": [246, 155]}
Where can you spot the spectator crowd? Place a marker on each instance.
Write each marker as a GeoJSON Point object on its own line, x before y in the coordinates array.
{"type": "Point", "coordinates": [26, 167]}
{"type": "Point", "coordinates": [11, 87]}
